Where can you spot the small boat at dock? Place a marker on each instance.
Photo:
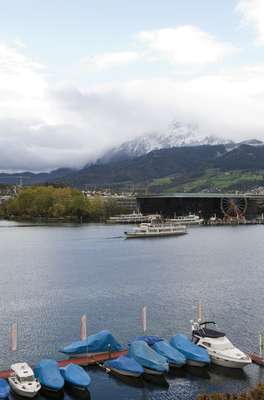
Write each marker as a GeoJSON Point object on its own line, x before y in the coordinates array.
{"type": "Point", "coordinates": [221, 351]}
{"type": "Point", "coordinates": [22, 380]}
{"type": "Point", "coordinates": [126, 366]}
{"type": "Point", "coordinates": [76, 376]}
{"type": "Point", "coordinates": [100, 342]}
{"type": "Point", "coordinates": [195, 355]}
{"type": "Point", "coordinates": [173, 356]}
{"type": "Point", "coordinates": [4, 389]}
{"type": "Point", "coordinates": [48, 373]}
{"type": "Point", "coordinates": [152, 230]}
{"type": "Point", "coordinates": [162, 347]}
{"type": "Point", "coordinates": [152, 362]}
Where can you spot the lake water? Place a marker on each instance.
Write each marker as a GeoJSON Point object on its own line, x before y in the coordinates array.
{"type": "Point", "coordinates": [51, 275]}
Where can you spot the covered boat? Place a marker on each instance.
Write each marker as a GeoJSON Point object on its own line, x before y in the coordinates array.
{"type": "Point", "coordinates": [125, 365]}
{"type": "Point", "coordinates": [49, 376]}
{"type": "Point", "coordinates": [152, 362]}
{"type": "Point", "coordinates": [149, 339]}
{"type": "Point", "coordinates": [100, 342]}
{"type": "Point", "coordinates": [76, 376]}
{"type": "Point", "coordinates": [195, 355]}
{"type": "Point", "coordinates": [4, 389]}
{"type": "Point", "coordinates": [173, 356]}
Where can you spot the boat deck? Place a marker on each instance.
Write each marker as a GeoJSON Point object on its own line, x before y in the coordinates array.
{"type": "Point", "coordinates": [83, 361]}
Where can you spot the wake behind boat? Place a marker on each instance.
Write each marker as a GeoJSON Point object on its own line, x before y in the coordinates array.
{"type": "Point", "coordinates": [221, 351]}
{"type": "Point", "coordinates": [156, 230]}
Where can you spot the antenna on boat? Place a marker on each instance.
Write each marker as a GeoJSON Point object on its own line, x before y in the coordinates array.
{"type": "Point", "coordinates": [83, 327]}
{"type": "Point", "coordinates": [144, 318]}
{"type": "Point", "coordinates": [13, 336]}
{"type": "Point", "coordinates": [199, 312]}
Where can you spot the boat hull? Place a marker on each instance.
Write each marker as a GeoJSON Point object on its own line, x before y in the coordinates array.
{"type": "Point", "coordinates": [21, 392]}
{"type": "Point", "coordinates": [194, 363]}
{"type": "Point", "coordinates": [236, 364]}
{"type": "Point", "coordinates": [150, 371]}
{"type": "Point", "coordinates": [125, 373]}
{"type": "Point", "coordinates": [152, 235]}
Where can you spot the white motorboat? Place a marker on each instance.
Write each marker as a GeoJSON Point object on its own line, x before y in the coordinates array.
{"type": "Point", "coordinates": [156, 230]}
{"type": "Point", "coordinates": [23, 381]}
{"type": "Point", "coordinates": [221, 351]}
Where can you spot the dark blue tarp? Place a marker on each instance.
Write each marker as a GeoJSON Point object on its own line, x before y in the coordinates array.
{"type": "Point", "coordinates": [190, 350]}
{"type": "Point", "coordinates": [125, 363]}
{"type": "Point", "coordinates": [98, 343]}
{"type": "Point", "coordinates": [4, 389]}
{"type": "Point", "coordinates": [148, 358]}
{"type": "Point", "coordinates": [75, 375]}
{"type": "Point", "coordinates": [150, 340]}
{"type": "Point", "coordinates": [48, 374]}
{"type": "Point", "coordinates": [173, 356]}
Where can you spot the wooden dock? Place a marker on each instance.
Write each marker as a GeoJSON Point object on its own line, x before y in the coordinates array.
{"type": "Point", "coordinates": [83, 361]}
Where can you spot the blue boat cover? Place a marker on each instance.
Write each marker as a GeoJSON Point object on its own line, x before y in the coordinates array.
{"type": "Point", "coordinates": [75, 375]}
{"type": "Point", "coordinates": [148, 358]}
{"type": "Point", "coordinates": [48, 374]}
{"type": "Point", "coordinates": [189, 349]}
{"type": "Point", "coordinates": [150, 340]}
{"type": "Point", "coordinates": [125, 363]}
{"type": "Point", "coordinates": [98, 343]}
{"type": "Point", "coordinates": [172, 355]}
{"type": "Point", "coordinates": [4, 389]}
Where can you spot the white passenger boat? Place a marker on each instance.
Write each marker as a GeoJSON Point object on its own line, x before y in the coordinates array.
{"type": "Point", "coordinates": [190, 219]}
{"type": "Point", "coordinates": [221, 351]}
{"type": "Point", "coordinates": [156, 230]}
{"type": "Point", "coordinates": [23, 381]}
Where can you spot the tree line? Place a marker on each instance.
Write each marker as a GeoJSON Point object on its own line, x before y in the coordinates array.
{"type": "Point", "coordinates": [50, 202]}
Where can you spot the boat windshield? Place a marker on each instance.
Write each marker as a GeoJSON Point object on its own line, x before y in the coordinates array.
{"type": "Point", "coordinates": [27, 378]}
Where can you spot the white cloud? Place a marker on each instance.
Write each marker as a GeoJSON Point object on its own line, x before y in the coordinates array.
{"type": "Point", "coordinates": [185, 45]}
{"type": "Point", "coordinates": [44, 127]}
{"type": "Point", "coordinates": [108, 60]}
{"type": "Point", "coordinates": [252, 13]}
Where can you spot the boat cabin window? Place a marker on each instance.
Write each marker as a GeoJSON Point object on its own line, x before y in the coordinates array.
{"type": "Point", "coordinates": [27, 379]}
{"type": "Point", "coordinates": [207, 344]}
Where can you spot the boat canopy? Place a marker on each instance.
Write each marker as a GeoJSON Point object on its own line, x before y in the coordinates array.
{"type": "Point", "coordinates": [204, 331]}
{"type": "Point", "coordinates": [173, 356]}
{"type": "Point", "coordinates": [125, 363]}
{"type": "Point", "coordinates": [98, 343]}
{"type": "Point", "coordinates": [150, 340]}
{"type": "Point", "coordinates": [48, 374]}
{"type": "Point", "coordinates": [148, 358]}
{"type": "Point", "coordinates": [75, 375]}
{"type": "Point", "coordinates": [190, 350]}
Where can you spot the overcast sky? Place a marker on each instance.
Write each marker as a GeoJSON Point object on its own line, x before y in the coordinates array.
{"type": "Point", "coordinates": [80, 76]}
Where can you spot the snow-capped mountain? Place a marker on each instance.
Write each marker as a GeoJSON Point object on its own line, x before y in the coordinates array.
{"type": "Point", "coordinates": [177, 135]}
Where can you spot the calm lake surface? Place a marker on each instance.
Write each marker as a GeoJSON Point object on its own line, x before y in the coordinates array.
{"type": "Point", "coordinates": [51, 275]}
